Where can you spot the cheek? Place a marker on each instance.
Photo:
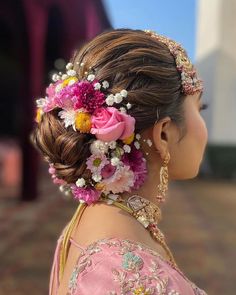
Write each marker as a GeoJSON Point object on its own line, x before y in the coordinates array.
{"type": "Point", "coordinates": [197, 130]}
{"type": "Point", "coordinates": [190, 149]}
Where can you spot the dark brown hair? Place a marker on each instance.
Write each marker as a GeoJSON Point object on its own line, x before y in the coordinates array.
{"type": "Point", "coordinates": [127, 59]}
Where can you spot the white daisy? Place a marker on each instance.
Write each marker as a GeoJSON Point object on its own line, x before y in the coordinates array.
{"type": "Point", "coordinates": [68, 116]}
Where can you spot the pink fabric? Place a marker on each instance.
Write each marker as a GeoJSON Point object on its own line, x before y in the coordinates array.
{"type": "Point", "coordinates": [114, 266]}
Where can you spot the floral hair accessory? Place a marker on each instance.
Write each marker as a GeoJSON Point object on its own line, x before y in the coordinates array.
{"type": "Point", "coordinates": [115, 164]}
{"type": "Point", "coordinates": [190, 82]}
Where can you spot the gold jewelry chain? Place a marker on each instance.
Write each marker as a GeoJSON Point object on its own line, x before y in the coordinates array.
{"type": "Point", "coordinates": [157, 237]}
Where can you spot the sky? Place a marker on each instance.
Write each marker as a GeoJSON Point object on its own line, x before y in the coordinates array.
{"type": "Point", "coordinates": [172, 18]}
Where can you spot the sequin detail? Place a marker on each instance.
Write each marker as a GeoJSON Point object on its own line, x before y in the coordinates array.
{"type": "Point", "coordinates": [132, 262]}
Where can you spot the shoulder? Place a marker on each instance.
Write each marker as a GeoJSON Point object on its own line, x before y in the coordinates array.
{"type": "Point", "coordinates": [113, 266]}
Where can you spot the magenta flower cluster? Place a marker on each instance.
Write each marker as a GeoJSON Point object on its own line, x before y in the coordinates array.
{"type": "Point", "coordinates": [81, 94]}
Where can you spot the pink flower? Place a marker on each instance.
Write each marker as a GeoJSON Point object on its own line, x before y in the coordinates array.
{"type": "Point", "coordinates": [87, 97]}
{"type": "Point", "coordinates": [121, 181]}
{"type": "Point", "coordinates": [109, 124]}
{"type": "Point", "coordinates": [136, 161]}
{"type": "Point", "coordinates": [108, 170]}
{"type": "Point", "coordinates": [51, 169]}
{"type": "Point", "coordinates": [50, 98]}
{"type": "Point", "coordinates": [55, 179]}
{"type": "Point", "coordinates": [76, 96]}
{"type": "Point", "coordinates": [96, 162]}
{"type": "Point", "coordinates": [89, 195]}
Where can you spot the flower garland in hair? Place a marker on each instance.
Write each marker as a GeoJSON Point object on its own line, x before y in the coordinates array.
{"type": "Point", "coordinates": [116, 163]}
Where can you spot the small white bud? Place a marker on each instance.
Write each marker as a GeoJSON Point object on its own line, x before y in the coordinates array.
{"type": "Point", "coordinates": [64, 77]}
{"type": "Point", "coordinates": [115, 161]}
{"type": "Point", "coordinates": [96, 177]}
{"type": "Point", "coordinates": [110, 100]}
{"type": "Point", "coordinates": [124, 93]}
{"type": "Point", "coordinates": [71, 73]}
{"type": "Point", "coordinates": [137, 145]}
{"type": "Point", "coordinates": [149, 142]}
{"type": "Point", "coordinates": [123, 110]}
{"type": "Point", "coordinates": [118, 98]}
{"type": "Point", "coordinates": [91, 77]}
{"type": "Point", "coordinates": [105, 84]}
{"type": "Point", "coordinates": [128, 105]}
{"type": "Point", "coordinates": [127, 148]}
{"type": "Point", "coordinates": [97, 86]}
{"type": "Point", "coordinates": [40, 102]}
{"type": "Point", "coordinates": [80, 182]}
{"type": "Point", "coordinates": [55, 77]}
{"type": "Point", "coordinates": [112, 144]}
{"type": "Point", "coordinates": [69, 66]}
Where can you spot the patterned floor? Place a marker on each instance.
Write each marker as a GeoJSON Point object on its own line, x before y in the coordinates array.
{"type": "Point", "coordinates": [198, 220]}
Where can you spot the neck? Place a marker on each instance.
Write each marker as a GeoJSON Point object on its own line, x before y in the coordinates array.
{"type": "Point", "coordinates": [149, 189]}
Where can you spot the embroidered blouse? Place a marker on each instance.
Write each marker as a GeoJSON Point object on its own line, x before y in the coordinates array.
{"type": "Point", "coordinates": [115, 266]}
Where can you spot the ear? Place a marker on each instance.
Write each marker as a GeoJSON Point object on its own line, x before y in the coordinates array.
{"type": "Point", "coordinates": [161, 135]}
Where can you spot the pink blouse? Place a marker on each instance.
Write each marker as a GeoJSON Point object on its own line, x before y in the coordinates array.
{"type": "Point", "coordinates": [114, 266]}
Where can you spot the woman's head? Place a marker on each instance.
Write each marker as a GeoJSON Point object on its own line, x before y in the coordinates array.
{"type": "Point", "coordinates": [144, 66]}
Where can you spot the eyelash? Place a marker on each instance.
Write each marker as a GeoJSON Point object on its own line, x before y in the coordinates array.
{"type": "Point", "coordinates": [204, 106]}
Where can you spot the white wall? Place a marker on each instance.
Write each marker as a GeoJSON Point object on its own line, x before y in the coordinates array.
{"type": "Point", "coordinates": [216, 64]}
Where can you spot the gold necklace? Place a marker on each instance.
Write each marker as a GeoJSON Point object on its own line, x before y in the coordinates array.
{"type": "Point", "coordinates": [147, 213]}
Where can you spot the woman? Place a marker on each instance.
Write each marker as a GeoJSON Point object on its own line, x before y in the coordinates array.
{"type": "Point", "coordinates": [122, 121]}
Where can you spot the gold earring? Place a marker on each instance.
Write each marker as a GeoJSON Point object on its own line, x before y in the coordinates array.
{"type": "Point", "coordinates": [163, 186]}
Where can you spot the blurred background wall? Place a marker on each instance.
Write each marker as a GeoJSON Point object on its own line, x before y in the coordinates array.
{"type": "Point", "coordinates": [37, 36]}
{"type": "Point", "coordinates": [216, 62]}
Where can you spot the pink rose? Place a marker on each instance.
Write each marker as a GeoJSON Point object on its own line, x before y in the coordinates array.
{"type": "Point", "coordinates": [110, 124]}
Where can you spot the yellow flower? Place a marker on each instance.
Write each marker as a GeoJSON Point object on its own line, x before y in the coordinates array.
{"type": "Point", "coordinates": [100, 186]}
{"type": "Point", "coordinates": [69, 81]}
{"type": "Point", "coordinates": [83, 122]}
{"type": "Point", "coordinates": [38, 116]}
{"type": "Point", "coordinates": [129, 139]}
